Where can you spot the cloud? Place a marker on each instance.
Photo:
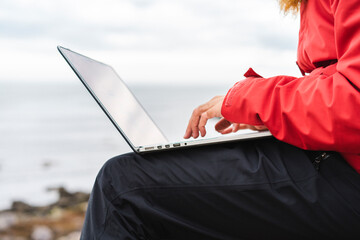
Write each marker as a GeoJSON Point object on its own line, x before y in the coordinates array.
{"type": "Point", "coordinates": [145, 28]}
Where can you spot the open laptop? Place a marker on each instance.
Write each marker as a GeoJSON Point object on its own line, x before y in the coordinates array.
{"type": "Point", "coordinates": [126, 113]}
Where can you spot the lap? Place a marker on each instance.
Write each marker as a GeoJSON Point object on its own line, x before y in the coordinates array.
{"type": "Point", "coordinates": [244, 163]}
{"type": "Point", "coordinates": [244, 190]}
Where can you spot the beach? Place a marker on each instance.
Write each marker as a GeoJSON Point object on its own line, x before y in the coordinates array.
{"type": "Point", "coordinates": [54, 135]}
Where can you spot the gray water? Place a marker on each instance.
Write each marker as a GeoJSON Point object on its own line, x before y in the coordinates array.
{"type": "Point", "coordinates": [54, 134]}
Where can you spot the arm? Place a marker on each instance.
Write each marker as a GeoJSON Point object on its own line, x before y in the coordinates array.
{"type": "Point", "coordinates": [319, 111]}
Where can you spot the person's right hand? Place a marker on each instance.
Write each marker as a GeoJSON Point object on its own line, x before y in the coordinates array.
{"type": "Point", "coordinates": [201, 115]}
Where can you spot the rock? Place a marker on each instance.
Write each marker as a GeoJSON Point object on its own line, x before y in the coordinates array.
{"type": "Point", "coordinates": [56, 213]}
{"type": "Point", "coordinates": [7, 219]}
{"type": "Point", "coordinates": [62, 219]}
{"type": "Point", "coordinates": [42, 233]}
{"type": "Point", "coordinates": [67, 199]}
{"type": "Point", "coordinates": [19, 206]}
{"type": "Point", "coordinates": [71, 236]}
{"type": "Point", "coordinates": [13, 238]}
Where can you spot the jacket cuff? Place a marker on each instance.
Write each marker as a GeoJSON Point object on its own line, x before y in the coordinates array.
{"type": "Point", "coordinates": [234, 107]}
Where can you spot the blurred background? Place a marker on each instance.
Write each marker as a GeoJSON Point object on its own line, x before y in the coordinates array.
{"type": "Point", "coordinates": [174, 55]}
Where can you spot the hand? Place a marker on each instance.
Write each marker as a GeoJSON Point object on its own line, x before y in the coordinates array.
{"type": "Point", "coordinates": [225, 127]}
{"type": "Point", "coordinates": [201, 115]}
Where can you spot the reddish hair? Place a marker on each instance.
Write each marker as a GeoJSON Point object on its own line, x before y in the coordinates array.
{"type": "Point", "coordinates": [290, 5]}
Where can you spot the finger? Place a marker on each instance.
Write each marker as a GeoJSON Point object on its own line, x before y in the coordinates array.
{"type": "Point", "coordinates": [194, 122]}
{"type": "Point", "coordinates": [227, 130]}
{"type": "Point", "coordinates": [195, 127]}
{"type": "Point", "coordinates": [251, 127]}
{"type": "Point", "coordinates": [211, 113]}
{"type": "Point", "coordinates": [203, 120]}
{"type": "Point", "coordinates": [261, 128]}
{"type": "Point", "coordinates": [192, 129]}
{"type": "Point", "coordinates": [242, 126]}
{"type": "Point", "coordinates": [222, 124]}
{"type": "Point", "coordinates": [235, 127]}
{"type": "Point", "coordinates": [256, 128]}
{"type": "Point", "coordinates": [188, 132]}
{"type": "Point", "coordinates": [246, 126]}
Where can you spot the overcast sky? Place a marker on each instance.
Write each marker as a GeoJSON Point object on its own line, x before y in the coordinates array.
{"type": "Point", "coordinates": [171, 41]}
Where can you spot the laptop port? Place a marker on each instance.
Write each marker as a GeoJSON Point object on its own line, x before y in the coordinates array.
{"type": "Point", "coordinates": [159, 147]}
{"type": "Point", "coordinates": [176, 144]}
{"type": "Point", "coordinates": [167, 146]}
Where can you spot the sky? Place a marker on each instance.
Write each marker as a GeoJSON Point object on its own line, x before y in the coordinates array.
{"type": "Point", "coordinates": [148, 41]}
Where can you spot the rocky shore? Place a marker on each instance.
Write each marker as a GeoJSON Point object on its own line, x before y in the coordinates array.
{"type": "Point", "coordinates": [61, 220]}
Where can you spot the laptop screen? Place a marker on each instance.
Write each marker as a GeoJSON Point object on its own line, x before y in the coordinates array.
{"type": "Point", "coordinates": [116, 100]}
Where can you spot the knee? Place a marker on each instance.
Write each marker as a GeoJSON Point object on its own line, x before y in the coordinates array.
{"type": "Point", "coordinates": [116, 165]}
{"type": "Point", "coordinates": [113, 177]}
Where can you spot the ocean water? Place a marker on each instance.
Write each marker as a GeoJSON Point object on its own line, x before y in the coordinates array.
{"type": "Point", "coordinates": [54, 134]}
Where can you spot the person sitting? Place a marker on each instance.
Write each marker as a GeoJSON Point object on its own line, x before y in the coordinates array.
{"type": "Point", "coordinates": [301, 184]}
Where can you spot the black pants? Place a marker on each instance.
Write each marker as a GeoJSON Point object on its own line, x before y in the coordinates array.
{"type": "Point", "coordinates": [262, 189]}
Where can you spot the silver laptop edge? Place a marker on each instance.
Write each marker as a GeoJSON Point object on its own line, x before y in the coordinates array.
{"type": "Point", "coordinates": [207, 141]}
{"type": "Point", "coordinates": [160, 143]}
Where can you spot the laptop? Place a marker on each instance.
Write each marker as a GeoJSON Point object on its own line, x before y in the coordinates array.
{"type": "Point", "coordinates": [125, 111]}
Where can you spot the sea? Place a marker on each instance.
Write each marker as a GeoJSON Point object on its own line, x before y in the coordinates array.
{"type": "Point", "coordinates": [53, 134]}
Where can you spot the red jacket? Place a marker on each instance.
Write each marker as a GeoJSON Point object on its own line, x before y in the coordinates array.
{"type": "Point", "coordinates": [321, 110]}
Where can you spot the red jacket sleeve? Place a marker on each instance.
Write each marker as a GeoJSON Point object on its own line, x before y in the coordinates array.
{"type": "Point", "coordinates": [320, 111]}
